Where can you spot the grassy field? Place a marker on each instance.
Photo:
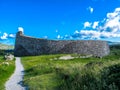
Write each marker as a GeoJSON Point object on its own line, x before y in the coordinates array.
{"type": "Point", "coordinates": [6, 69]}
{"type": "Point", "coordinates": [47, 72]}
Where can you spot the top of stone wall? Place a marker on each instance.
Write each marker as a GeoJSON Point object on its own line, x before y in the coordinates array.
{"type": "Point", "coordinates": [21, 34]}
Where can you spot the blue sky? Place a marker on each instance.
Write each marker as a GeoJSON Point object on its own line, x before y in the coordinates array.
{"type": "Point", "coordinates": [60, 19]}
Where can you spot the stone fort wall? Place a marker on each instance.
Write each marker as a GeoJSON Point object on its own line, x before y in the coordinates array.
{"type": "Point", "coordinates": [29, 46]}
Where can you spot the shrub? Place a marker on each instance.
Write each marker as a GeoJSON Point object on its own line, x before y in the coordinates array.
{"type": "Point", "coordinates": [110, 77]}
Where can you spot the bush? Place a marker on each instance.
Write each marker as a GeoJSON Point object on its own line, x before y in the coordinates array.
{"type": "Point", "coordinates": [79, 79]}
{"type": "Point", "coordinates": [110, 77]}
{"type": "Point", "coordinates": [92, 78]}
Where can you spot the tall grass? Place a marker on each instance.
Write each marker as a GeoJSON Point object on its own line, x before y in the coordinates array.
{"type": "Point", "coordinates": [92, 77]}
{"type": "Point", "coordinates": [47, 72]}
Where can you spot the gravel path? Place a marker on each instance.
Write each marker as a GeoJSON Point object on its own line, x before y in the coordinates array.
{"type": "Point", "coordinates": [15, 81]}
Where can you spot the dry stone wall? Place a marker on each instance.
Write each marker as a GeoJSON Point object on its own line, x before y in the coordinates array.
{"type": "Point", "coordinates": [29, 46]}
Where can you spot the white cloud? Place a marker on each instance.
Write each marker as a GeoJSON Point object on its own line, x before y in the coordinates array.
{"type": "Point", "coordinates": [20, 29]}
{"type": "Point", "coordinates": [90, 9]}
{"type": "Point", "coordinates": [113, 24]}
{"type": "Point", "coordinates": [117, 9]}
{"type": "Point", "coordinates": [76, 32]}
{"type": "Point", "coordinates": [97, 35]}
{"type": "Point", "coordinates": [12, 35]}
{"type": "Point", "coordinates": [113, 21]}
{"type": "Point", "coordinates": [111, 15]}
{"type": "Point", "coordinates": [107, 28]}
{"type": "Point", "coordinates": [67, 37]}
{"type": "Point", "coordinates": [58, 37]}
{"type": "Point", "coordinates": [87, 24]}
{"type": "Point", "coordinates": [109, 34]}
{"type": "Point", "coordinates": [5, 35]}
{"type": "Point", "coordinates": [95, 24]}
{"type": "Point", "coordinates": [90, 33]}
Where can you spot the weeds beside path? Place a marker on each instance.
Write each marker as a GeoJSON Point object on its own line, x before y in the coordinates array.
{"type": "Point", "coordinates": [6, 70]}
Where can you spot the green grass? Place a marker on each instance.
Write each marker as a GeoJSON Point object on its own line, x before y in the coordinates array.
{"type": "Point", "coordinates": [5, 71]}
{"type": "Point", "coordinates": [47, 73]}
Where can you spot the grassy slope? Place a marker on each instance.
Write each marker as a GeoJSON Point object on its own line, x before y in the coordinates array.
{"type": "Point", "coordinates": [5, 47]}
{"type": "Point", "coordinates": [42, 73]}
{"type": "Point", "coordinates": [5, 71]}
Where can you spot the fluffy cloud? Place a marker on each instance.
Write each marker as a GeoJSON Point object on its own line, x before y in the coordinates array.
{"type": "Point", "coordinates": [12, 35]}
{"type": "Point", "coordinates": [5, 35]}
{"type": "Point", "coordinates": [109, 29]}
{"type": "Point", "coordinates": [90, 33]}
{"type": "Point", "coordinates": [76, 32]}
{"type": "Point", "coordinates": [96, 34]}
{"type": "Point", "coordinates": [113, 21]}
{"type": "Point", "coordinates": [90, 9]}
{"type": "Point", "coordinates": [68, 37]}
{"type": "Point", "coordinates": [109, 35]}
{"type": "Point", "coordinates": [87, 24]}
{"type": "Point", "coordinates": [59, 37]}
{"type": "Point", "coordinates": [95, 24]}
